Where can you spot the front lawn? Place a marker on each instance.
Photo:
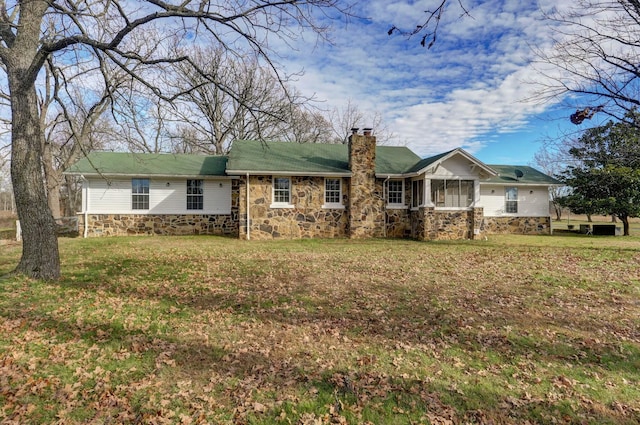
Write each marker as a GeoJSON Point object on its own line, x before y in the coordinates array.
{"type": "Point", "coordinates": [190, 330]}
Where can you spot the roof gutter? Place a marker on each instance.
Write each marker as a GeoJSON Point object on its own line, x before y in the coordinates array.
{"type": "Point", "coordinates": [85, 206]}
{"type": "Point", "coordinates": [388, 176]}
{"type": "Point", "coordinates": [517, 183]}
{"type": "Point", "coordinates": [289, 173]}
{"type": "Point", "coordinates": [164, 176]}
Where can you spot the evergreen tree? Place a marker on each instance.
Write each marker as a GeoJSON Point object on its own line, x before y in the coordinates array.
{"type": "Point", "coordinates": [607, 177]}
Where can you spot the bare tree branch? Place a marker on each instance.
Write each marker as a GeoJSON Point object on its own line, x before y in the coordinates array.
{"type": "Point", "coordinates": [595, 55]}
{"type": "Point", "coordinates": [428, 28]}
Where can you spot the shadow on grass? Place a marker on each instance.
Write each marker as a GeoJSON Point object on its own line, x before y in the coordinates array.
{"type": "Point", "coordinates": [364, 393]}
{"type": "Point", "coordinates": [266, 291]}
{"type": "Point", "coordinates": [413, 318]}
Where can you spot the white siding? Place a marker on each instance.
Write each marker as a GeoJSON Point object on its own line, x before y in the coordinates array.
{"type": "Point", "coordinates": [534, 204]}
{"type": "Point", "coordinates": [166, 196]}
{"type": "Point", "coordinates": [85, 190]}
{"type": "Point", "coordinates": [456, 167]}
{"type": "Point", "coordinates": [113, 198]}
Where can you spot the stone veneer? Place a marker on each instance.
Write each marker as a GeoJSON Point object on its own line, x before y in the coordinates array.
{"type": "Point", "coordinates": [398, 223]}
{"type": "Point", "coordinates": [159, 224]}
{"type": "Point", "coordinates": [517, 225]}
{"type": "Point", "coordinates": [427, 223]}
{"type": "Point", "coordinates": [307, 218]}
{"type": "Point", "coordinates": [365, 202]}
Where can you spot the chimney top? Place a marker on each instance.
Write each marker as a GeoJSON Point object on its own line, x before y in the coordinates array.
{"type": "Point", "coordinates": [354, 130]}
{"type": "Point", "coordinates": [367, 131]}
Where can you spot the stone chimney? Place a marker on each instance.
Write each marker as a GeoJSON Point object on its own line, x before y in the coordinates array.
{"type": "Point", "coordinates": [364, 204]}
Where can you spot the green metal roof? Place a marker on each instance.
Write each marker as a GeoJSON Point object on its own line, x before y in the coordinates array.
{"type": "Point", "coordinates": [311, 158]}
{"type": "Point", "coordinates": [423, 163]}
{"type": "Point", "coordinates": [280, 157]}
{"type": "Point", "coordinates": [507, 174]}
{"type": "Point", "coordinates": [394, 160]}
{"type": "Point", "coordinates": [147, 164]}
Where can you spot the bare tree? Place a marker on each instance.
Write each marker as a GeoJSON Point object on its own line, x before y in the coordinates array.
{"type": "Point", "coordinates": [350, 116]}
{"type": "Point", "coordinates": [6, 192]}
{"type": "Point", "coordinates": [552, 160]}
{"type": "Point", "coordinates": [35, 32]}
{"type": "Point", "coordinates": [70, 114]}
{"type": "Point", "coordinates": [596, 55]}
{"type": "Point", "coordinates": [141, 120]}
{"type": "Point", "coordinates": [239, 98]}
{"type": "Point", "coordinates": [308, 125]}
{"type": "Point", "coordinates": [428, 25]}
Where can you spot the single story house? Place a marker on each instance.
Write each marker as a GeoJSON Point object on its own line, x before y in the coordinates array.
{"type": "Point", "coordinates": [289, 190]}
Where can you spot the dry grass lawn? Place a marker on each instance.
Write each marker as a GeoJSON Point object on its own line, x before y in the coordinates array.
{"type": "Point", "coordinates": [191, 330]}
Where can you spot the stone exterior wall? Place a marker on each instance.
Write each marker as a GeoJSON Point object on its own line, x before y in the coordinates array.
{"type": "Point", "coordinates": [307, 218]}
{"type": "Point", "coordinates": [417, 230]}
{"type": "Point", "coordinates": [399, 223]}
{"type": "Point", "coordinates": [429, 224]}
{"type": "Point", "coordinates": [517, 225]}
{"type": "Point", "coordinates": [159, 224]}
{"type": "Point", "coordinates": [365, 205]}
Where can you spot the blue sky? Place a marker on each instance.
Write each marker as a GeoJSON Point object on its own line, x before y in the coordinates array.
{"type": "Point", "coordinates": [469, 90]}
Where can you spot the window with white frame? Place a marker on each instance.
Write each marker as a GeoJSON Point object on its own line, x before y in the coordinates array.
{"type": "Point", "coordinates": [195, 194]}
{"type": "Point", "coordinates": [452, 193]}
{"type": "Point", "coordinates": [511, 200]}
{"type": "Point", "coordinates": [333, 192]}
{"type": "Point", "coordinates": [417, 193]}
{"type": "Point", "coordinates": [140, 194]}
{"type": "Point", "coordinates": [282, 190]}
{"type": "Point", "coordinates": [395, 192]}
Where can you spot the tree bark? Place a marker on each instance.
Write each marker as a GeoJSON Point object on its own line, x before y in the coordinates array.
{"type": "Point", "coordinates": [52, 177]}
{"type": "Point", "coordinates": [558, 209]}
{"type": "Point", "coordinates": [625, 225]}
{"type": "Point", "coordinates": [40, 256]}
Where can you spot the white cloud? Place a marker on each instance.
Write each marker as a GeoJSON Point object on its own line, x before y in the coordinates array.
{"type": "Point", "coordinates": [469, 87]}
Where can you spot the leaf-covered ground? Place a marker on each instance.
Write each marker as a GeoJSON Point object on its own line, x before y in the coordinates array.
{"type": "Point", "coordinates": [190, 330]}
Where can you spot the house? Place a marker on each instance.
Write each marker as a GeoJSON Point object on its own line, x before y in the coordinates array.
{"type": "Point", "coordinates": [287, 190]}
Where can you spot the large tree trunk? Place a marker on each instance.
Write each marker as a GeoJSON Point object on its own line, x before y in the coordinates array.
{"type": "Point", "coordinates": [40, 257]}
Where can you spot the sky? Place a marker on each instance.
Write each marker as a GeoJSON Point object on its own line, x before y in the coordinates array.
{"type": "Point", "coordinates": [470, 90]}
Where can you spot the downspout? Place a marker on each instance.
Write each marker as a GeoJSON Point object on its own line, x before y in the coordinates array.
{"type": "Point", "coordinates": [385, 200]}
{"type": "Point", "coordinates": [86, 207]}
{"type": "Point", "coordinates": [248, 215]}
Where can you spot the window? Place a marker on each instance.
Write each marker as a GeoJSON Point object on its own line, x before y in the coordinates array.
{"type": "Point", "coordinates": [417, 193]}
{"type": "Point", "coordinates": [281, 190]}
{"type": "Point", "coordinates": [452, 193]}
{"type": "Point", "coordinates": [511, 200]}
{"type": "Point", "coordinates": [437, 192]}
{"type": "Point", "coordinates": [140, 194]}
{"type": "Point", "coordinates": [195, 195]}
{"type": "Point", "coordinates": [395, 192]}
{"type": "Point", "coordinates": [466, 193]}
{"type": "Point", "coordinates": [333, 191]}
